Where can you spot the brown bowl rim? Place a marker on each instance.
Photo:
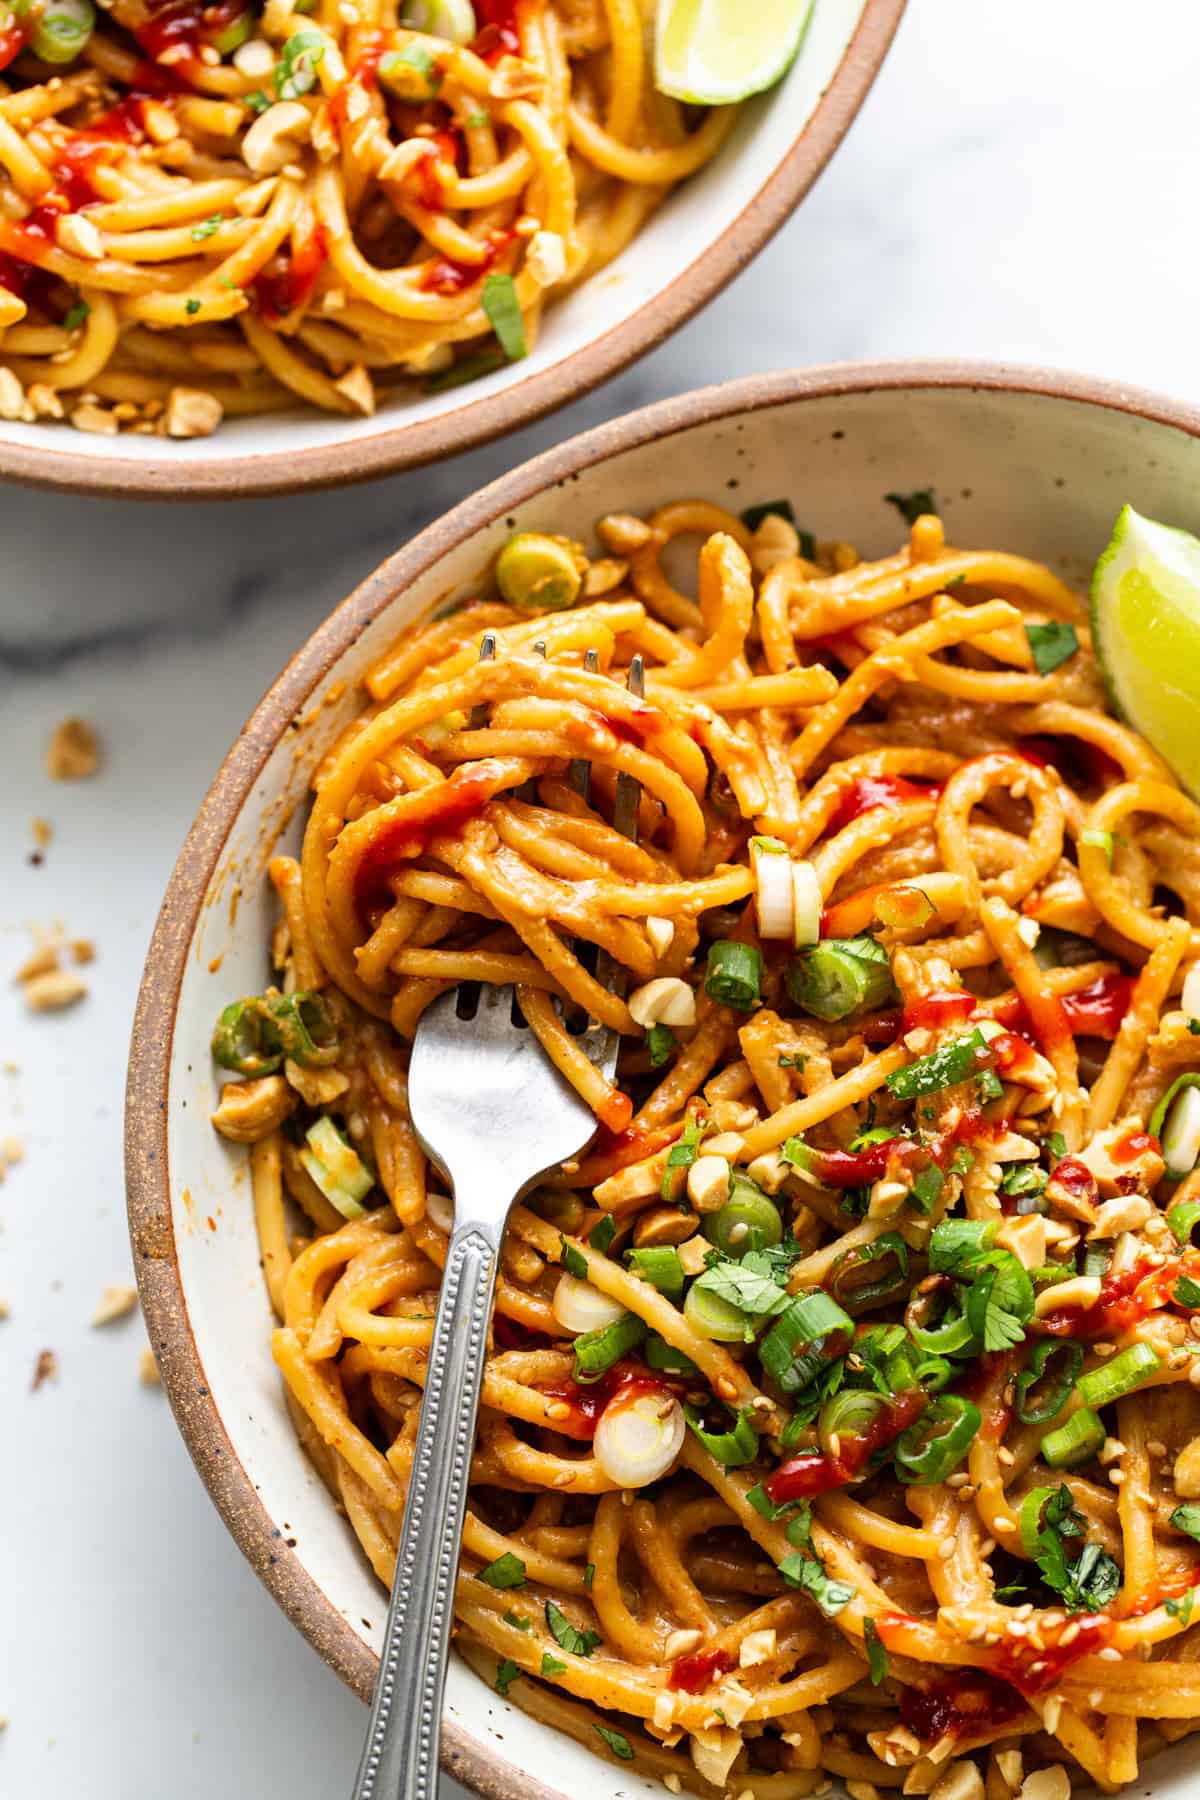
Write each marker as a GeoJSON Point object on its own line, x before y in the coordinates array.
{"type": "Point", "coordinates": [146, 1160]}
{"type": "Point", "coordinates": [413, 445]}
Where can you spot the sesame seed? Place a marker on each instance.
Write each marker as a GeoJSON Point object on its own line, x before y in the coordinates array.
{"type": "Point", "coordinates": [1109, 1654]}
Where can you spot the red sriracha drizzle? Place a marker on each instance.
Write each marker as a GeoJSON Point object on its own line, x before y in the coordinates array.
{"type": "Point", "coordinates": [1092, 1011]}
{"type": "Point", "coordinates": [12, 39]}
{"type": "Point", "coordinates": [869, 791]}
{"type": "Point", "coordinates": [445, 147]}
{"type": "Point", "coordinates": [1034, 1672]}
{"type": "Point", "coordinates": [499, 33]}
{"type": "Point", "coordinates": [365, 72]}
{"type": "Point", "coordinates": [816, 1472]}
{"type": "Point", "coordinates": [436, 810]}
{"type": "Point", "coordinates": [948, 1006]}
{"type": "Point", "coordinates": [588, 1400]}
{"type": "Point", "coordinates": [1125, 1299]}
{"type": "Point", "coordinates": [286, 284]}
{"type": "Point", "coordinates": [962, 1703]}
{"type": "Point", "coordinates": [692, 1674]}
{"type": "Point", "coordinates": [445, 276]}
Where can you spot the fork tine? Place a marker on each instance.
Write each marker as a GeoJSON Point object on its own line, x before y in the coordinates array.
{"type": "Point", "coordinates": [604, 1042]}
{"type": "Point", "coordinates": [579, 770]}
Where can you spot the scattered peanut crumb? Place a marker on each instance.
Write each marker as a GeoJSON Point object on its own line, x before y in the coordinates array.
{"type": "Point", "coordinates": [115, 1303]}
{"type": "Point", "coordinates": [148, 1373]}
{"type": "Point", "coordinates": [43, 832]}
{"type": "Point", "coordinates": [73, 752]}
{"type": "Point", "coordinates": [53, 991]}
{"type": "Point", "coordinates": [44, 1369]}
{"type": "Point", "coordinates": [4, 1309]}
{"type": "Point", "coordinates": [83, 950]}
{"type": "Point", "coordinates": [11, 1152]}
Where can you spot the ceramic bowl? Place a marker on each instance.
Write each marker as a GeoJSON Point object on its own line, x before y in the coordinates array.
{"type": "Point", "coordinates": [707, 232]}
{"type": "Point", "coordinates": [1029, 460]}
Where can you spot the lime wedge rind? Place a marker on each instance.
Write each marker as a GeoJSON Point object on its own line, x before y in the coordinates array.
{"type": "Point", "coordinates": [1145, 615]}
{"type": "Point", "coordinates": [716, 52]}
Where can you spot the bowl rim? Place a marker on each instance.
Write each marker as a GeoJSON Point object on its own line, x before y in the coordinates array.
{"type": "Point", "coordinates": [146, 1119]}
{"type": "Point", "coordinates": [411, 445]}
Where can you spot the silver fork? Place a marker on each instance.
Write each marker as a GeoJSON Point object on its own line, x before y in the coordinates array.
{"type": "Point", "coordinates": [494, 1115]}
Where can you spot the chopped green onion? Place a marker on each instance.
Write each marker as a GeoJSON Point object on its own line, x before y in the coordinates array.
{"type": "Point", "coordinates": [573, 1260]}
{"type": "Point", "coordinates": [597, 1351]}
{"type": "Point", "coordinates": [207, 228]}
{"type": "Point", "coordinates": [927, 1188]}
{"type": "Point", "coordinates": [840, 976]}
{"type": "Point", "coordinates": [661, 1267]}
{"type": "Point", "coordinates": [681, 1156]}
{"type": "Point", "coordinates": [1075, 1442]}
{"type": "Point", "coordinates": [954, 1062]}
{"type": "Point", "coordinates": [1182, 1220]}
{"type": "Point", "coordinates": [810, 1319]}
{"type": "Point", "coordinates": [602, 1234]}
{"type": "Point", "coordinates": [1176, 1122]}
{"type": "Point", "coordinates": [660, 1042]}
{"type": "Point", "coordinates": [877, 1656]}
{"type": "Point", "coordinates": [863, 1296]}
{"type": "Point", "coordinates": [753, 516]}
{"type": "Point", "coordinates": [713, 1317]}
{"type": "Point", "coordinates": [574, 1642]}
{"type": "Point", "coordinates": [1122, 1375]}
{"type": "Point", "coordinates": [938, 1322]}
{"type": "Point", "coordinates": [76, 316]}
{"type": "Point", "coordinates": [849, 1414]}
{"type": "Point", "coordinates": [1033, 1514]}
{"type": "Point", "coordinates": [1032, 1410]}
{"type": "Point", "coordinates": [661, 1355]}
{"type": "Point", "coordinates": [471, 368]}
{"type": "Point", "coordinates": [566, 1211]}
{"type": "Point", "coordinates": [508, 1571]}
{"type": "Point", "coordinates": [1100, 840]}
{"type": "Point", "coordinates": [747, 1221]}
{"type": "Point", "coordinates": [453, 20]}
{"type": "Point", "coordinates": [235, 34]}
{"type": "Point", "coordinates": [617, 1742]}
{"type": "Point", "coordinates": [412, 73]}
{"type": "Point", "coordinates": [503, 309]}
{"type": "Point", "coordinates": [1023, 1178]}
{"type": "Point", "coordinates": [935, 1445]}
{"type": "Point", "coordinates": [245, 1038]}
{"type": "Point", "coordinates": [61, 30]}
{"type": "Point", "coordinates": [914, 506]}
{"type": "Point", "coordinates": [1187, 1292]}
{"type": "Point", "coordinates": [306, 1028]}
{"type": "Point", "coordinates": [1051, 645]}
{"type": "Point", "coordinates": [296, 71]}
{"type": "Point", "coordinates": [734, 974]}
{"type": "Point", "coordinates": [536, 573]}
{"type": "Point", "coordinates": [589, 1575]}
{"type": "Point", "coordinates": [336, 1168]}
{"type": "Point", "coordinates": [730, 1448]}
{"type": "Point", "coordinates": [1096, 1259]}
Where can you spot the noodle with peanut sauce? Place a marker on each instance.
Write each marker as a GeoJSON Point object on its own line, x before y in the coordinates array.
{"type": "Point", "coordinates": [841, 1418]}
{"type": "Point", "coordinates": [208, 207]}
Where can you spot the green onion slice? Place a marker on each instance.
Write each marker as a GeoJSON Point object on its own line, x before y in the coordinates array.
{"type": "Point", "coordinates": [661, 1267]}
{"type": "Point", "coordinates": [730, 1448]}
{"type": "Point", "coordinates": [933, 1447]}
{"type": "Point", "coordinates": [336, 1168]}
{"type": "Point", "coordinates": [503, 309]}
{"type": "Point", "coordinates": [61, 30]}
{"type": "Point", "coordinates": [840, 976]}
{"type": "Point", "coordinates": [597, 1351]}
{"type": "Point", "coordinates": [849, 1414]}
{"type": "Point", "coordinates": [734, 974]}
{"type": "Point", "coordinates": [810, 1320]}
{"type": "Point", "coordinates": [938, 1324]}
{"type": "Point", "coordinates": [1122, 1375]}
{"type": "Point", "coordinates": [747, 1221]}
{"type": "Point", "coordinates": [661, 1355]}
{"type": "Point", "coordinates": [860, 1296]}
{"type": "Point", "coordinates": [1039, 1409]}
{"type": "Point", "coordinates": [1075, 1442]}
{"type": "Point", "coordinates": [954, 1062]}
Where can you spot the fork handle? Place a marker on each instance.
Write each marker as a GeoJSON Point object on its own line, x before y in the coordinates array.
{"type": "Point", "coordinates": [400, 1757]}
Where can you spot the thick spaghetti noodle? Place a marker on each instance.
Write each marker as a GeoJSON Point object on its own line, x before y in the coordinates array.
{"type": "Point", "coordinates": [875, 1458]}
{"type": "Point", "coordinates": [208, 209]}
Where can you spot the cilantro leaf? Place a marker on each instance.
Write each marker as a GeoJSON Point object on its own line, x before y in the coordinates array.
{"type": "Point", "coordinates": [1182, 1609]}
{"type": "Point", "coordinates": [876, 1654]}
{"type": "Point", "coordinates": [911, 506]}
{"type": "Point", "coordinates": [508, 1571]}
{"type": "Point", "coordinates": [551, 1664]}
{"type": "Point", "coordinates": [743, 1286]}
{"type": "Point", "coordinates": [573, 1261]}
{"type": "Point", "coordinates": [506, 1674]}
{"type": "Point", "coordinates": [1051, 644]}
{"type": "Point", "coordinates": [1187, 1519]}
{"type": "Point", "coordinates": [1187, 1292]}
{"type": "Point", "coordinates": [575, 1643]}
{"type": "Point", "coordinates": [805, 1571]}
{"type": "Point", "coordinates": [617, 1742]}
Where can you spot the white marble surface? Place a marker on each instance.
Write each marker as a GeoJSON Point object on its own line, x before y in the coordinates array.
{"type": "Point", "coordinates": [1018, 186]}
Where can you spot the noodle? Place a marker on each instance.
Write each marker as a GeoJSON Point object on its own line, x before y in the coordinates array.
{"type": "Point", "coordinates": [212, 208]}
{"type": "Point", "coordinates": [874, 1216]}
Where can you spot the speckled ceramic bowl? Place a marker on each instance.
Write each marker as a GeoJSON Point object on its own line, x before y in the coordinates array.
{"type": "Point", "coordinates": [705, 234]}
{"type": "Point", "coordinates": [1031, 460]}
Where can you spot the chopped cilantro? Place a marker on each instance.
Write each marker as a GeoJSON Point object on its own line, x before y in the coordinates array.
{"type": "Point", "coordinates": [876, 1654]}
{"type": "Point", "coordinates": [575, 1643]}
{"type": "Point", "coordinates": [506, 1674]}
{"type": "Point", "coordinates": [912, 506]}
{"type": "Point", "coordinates": [573, 1260]}
{"type": "Point", "coordinates": [616, 1741]}
{"type": "Point", "coordinates": [508, 1571]}
{"type": "Point", "coordinates": [1051, 645]}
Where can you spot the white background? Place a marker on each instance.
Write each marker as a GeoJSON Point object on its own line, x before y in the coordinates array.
{"type": "Point", "coordinates": [1021, 184]}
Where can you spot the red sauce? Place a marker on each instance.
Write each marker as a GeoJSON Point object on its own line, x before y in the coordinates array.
{"type": "Point", "coordinates": [616, 1110]}
{"type": "Point", "coordinates": [445, 276]}
{"type": "Point", "coordinates": [12, 39]}
{"type": "Point", "coordinates": [1033, 1671]}
{"type": "Point", "coordinates": [1127, 1149]}
{"type": "Point", "coordinates": [883, 1029]}
{"type": "Point", "coordinates": [816, 1472]}
{"type": "Point", "coordinates": [588, 1400]}
{"type": "Point", "coordinates": [1097, 1010]}
{"type": "Point", "coordinates": [365, 72]}
{"type": "Point", "coordinates": [847, 1168]}
{"type": "Point", "coordinates": [1078, 762]}
{"type": "Point", "coordinates": [75, 163]}
{"type": "Point", "coordinates": [1014, 1055]}
{"type": "Point", "coordinates": [444, 148]}
{"type": "Point", "coordinates": [870, 791]}
{"type": "Point", "coordinates": [287, 283]}
{"type": "Point", "coordinates": [1076, 1177]}
{"type": "Point", "coordinates": [692, 1674]}
{"type": "Point", "coordinates": [499, 32]}
{"type": "Point", "coordinates": [512, 1334]}
{"type": "Point", "coordinates": [1124, 1299]}
{"type": "Point", "coordinates": [437, 810]}
{"type": "Point", "coordinates": [188, 24]}
{"type": "Point", "coordinates": [948, 1006]}
{"type": "Point", "coordinates": [962, 1703]}
{"type": "Point", "coordinates": [633, 1144]}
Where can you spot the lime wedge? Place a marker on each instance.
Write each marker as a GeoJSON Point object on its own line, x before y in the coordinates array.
{"type": "Point", "coordinates": [712, 52]}
{"type": "Point", "coordinates": [1146, 635]}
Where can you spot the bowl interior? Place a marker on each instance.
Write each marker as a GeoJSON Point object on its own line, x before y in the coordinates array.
{"type": "Point", "coordinates": [679, 236]}
{"type": "Point", "coordinates": [1028, 471]}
